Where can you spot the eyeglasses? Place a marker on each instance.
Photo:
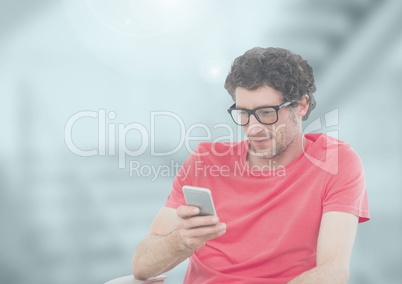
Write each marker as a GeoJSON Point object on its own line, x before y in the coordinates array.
{"type": "Point", "coordinates": [266, 114]}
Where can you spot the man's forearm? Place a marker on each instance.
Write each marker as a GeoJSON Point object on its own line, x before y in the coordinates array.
{"type": "Point", "coordinates": [324, 274]}
{"type": "Point", "coordinates": [158, 254]}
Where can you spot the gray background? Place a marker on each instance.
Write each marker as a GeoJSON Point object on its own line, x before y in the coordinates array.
{"type": "Point", "coordinates": [71, 219]}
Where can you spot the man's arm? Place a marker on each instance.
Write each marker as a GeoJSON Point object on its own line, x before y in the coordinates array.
{"type": "Point", "coordinates": [334, 248]}
{"type": "Point", "coordinates": [174, 236]}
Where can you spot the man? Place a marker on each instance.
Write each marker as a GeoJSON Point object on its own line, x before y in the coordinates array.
{"type": "Point", "coordinates": [288, 204]}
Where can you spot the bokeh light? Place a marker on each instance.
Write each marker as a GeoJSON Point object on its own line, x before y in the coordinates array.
{"type": "Point", "coordinates": [140, 18]}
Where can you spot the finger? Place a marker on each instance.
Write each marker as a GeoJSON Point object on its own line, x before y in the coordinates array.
{"type": "Point", "coordinates": [195, 243]}
{"type": "Point", "coordinates": [187, 211]}
{"type": "Point", "coordinates": [214, 235]}
{"type": "Point", "coordinates": [199, 241]}
{"type": "Point", "coordinates": [205, 231]}
{"type": "Point", "coordinates": [199, 221]}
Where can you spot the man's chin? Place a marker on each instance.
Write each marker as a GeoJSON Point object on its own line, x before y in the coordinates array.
{"type": "Point", "coordinates": [261, 145]}
{"type": "Point", "coordinates": [261, 152]}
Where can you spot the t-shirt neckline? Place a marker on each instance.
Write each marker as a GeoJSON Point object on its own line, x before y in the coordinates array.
{"type": "Point", "coordinates": [272, 170]}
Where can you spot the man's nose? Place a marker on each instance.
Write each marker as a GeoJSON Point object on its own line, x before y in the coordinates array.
{"type": "Point", "coordinates": [254, 126]}
{"type": "Point", "coordinates": [253, 120]}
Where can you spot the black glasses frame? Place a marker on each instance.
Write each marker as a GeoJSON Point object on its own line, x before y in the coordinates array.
{"type": "Point", "coordinates": [253, 112]}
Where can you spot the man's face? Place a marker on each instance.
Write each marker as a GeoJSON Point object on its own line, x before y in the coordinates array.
{"type": "Point", "coordinates": [268, 141]}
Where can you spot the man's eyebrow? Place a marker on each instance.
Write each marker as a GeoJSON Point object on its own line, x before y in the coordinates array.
{"type": "Point", "coordinates": [237, 106]}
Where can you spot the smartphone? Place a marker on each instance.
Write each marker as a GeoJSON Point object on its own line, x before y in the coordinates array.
{"type": "Point", "coordinates": [154, 280]}
{"type": "Point", "coordinates": [200, 197]}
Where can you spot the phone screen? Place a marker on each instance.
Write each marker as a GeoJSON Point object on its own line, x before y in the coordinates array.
{"type": "Point", "coordinates": [200, 197]}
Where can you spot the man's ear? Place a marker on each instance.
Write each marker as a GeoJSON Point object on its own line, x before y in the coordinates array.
{"type": "Point", "coordinates": [303, 105]}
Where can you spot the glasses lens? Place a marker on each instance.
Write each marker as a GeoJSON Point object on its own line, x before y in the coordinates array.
{"type": "Point", "coordinates": [239, 116]}
{"type": "Point", "coordinates": [267, 115]}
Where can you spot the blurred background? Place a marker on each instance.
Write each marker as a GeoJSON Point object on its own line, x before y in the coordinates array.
{"type": "Point", "coordinates": [69, 218]}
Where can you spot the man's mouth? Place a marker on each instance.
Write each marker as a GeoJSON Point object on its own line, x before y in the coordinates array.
{"type": "Point", "coordinates": [259, 139]}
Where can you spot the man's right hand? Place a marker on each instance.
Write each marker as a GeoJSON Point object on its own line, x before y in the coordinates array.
{"type": "Point", "coordinates": [195, 230]}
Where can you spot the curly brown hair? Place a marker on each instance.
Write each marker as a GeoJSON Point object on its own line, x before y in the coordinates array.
{"type": "Point", "coordinates": [277, 68]}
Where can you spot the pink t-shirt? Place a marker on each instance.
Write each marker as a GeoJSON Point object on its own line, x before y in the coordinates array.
{"type": "Point", "coordinates": [273, 216]}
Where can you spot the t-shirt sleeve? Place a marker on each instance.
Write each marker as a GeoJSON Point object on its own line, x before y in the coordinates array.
{"type": "Point", "coordinates": [346, 190]}
{"type": "Point", "coordinates": [183, 177]}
